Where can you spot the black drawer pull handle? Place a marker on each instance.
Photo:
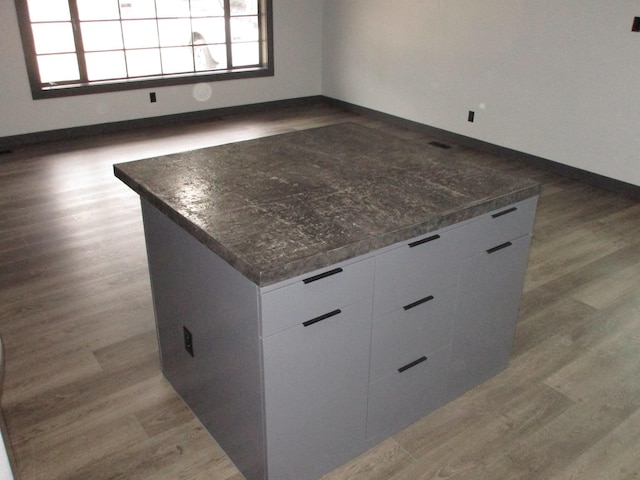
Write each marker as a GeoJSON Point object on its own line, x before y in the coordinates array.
{"type": "Point", "coordinates": [440, 145]}
{"type": "Point", "coordinates": [499, 247]}
{"type": "Point", "coordinates": [419, 302]}
{"type": "Point", "coordinates": [504, 212]}
{"type": "Point", "coordinates": [412, 364]}
{"type": "Point", "coordinates": [424, 240]}
{"type": "Point", "coordinates": [320, 276]}
{"type": "Point", "coordinates": [322, 317]}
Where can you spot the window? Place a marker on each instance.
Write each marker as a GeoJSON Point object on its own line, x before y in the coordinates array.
{"type": "Point", "coordinates": [89, 46]}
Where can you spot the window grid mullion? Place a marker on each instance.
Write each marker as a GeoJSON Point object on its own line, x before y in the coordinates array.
{"type": "Point", "coordinates": [155, 7]}
{"type": "Point", "coordinates": [260, 52]}
{"type": "Point", "coordinates": [227, 32]}
{"type": "Point", "coordinates": [262, 31]}
{"type": "Point", "coordinates": [193, 48]}
{"type": "Point", "coordinates": [124, 48]}
{"type": "Point", "coordinates": [77, 38]}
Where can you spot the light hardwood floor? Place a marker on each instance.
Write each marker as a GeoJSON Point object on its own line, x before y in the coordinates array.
{"type": "Point", "coordinates": [84, 397]}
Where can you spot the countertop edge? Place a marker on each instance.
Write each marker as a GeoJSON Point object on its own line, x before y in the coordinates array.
{"type": "Point", "coordinates": [188, 226]}
{"type": "Point", "coordinates": [330, 257]}
{"type": "Point", "coordinates": [327, 258]}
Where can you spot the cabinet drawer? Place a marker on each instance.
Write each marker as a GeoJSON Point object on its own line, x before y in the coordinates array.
{"type": "Point", "coordinates": [420, 265]}
{"type": "Point", "coordinates": [499, 226]}
{"type": "Point", "coordinates": [403, 335]}
{"type": "Point", "coordinates": [401, 398]}
{"type": "Point", "coordinates": [316, 294]}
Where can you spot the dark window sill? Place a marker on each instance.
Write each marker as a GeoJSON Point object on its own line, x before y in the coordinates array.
{"type": "Point", "coordinates": [56, 91]}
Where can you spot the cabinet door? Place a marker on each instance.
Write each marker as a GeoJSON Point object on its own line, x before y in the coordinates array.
{"type": "Point", "coordinates": [489, 291]}
{"type": "Point", "coordinates": [316, 380]}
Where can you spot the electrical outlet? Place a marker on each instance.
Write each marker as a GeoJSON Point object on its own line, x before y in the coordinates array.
{"type": "Point", "coordinates": [188, 340]}
{"type": "Point", "coordinates": [471, 116]}
{"type": "Point", "coordinates": [152, 97]}
{"type": "Point", "coordinates": [636, 25]}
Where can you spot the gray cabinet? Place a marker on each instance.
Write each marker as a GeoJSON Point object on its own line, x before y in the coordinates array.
{"type": "Point", "coordinates": [290, 303]}
{"type": "Point", "coordinates": [316, 369]}
{"type": "Point", "coordinates": [404, 396]}
{"type": "Point", "coordinates": [489, 288]}
{"type": "Point", "coordinates": [315, 380]}
{"type": "Point", "coordinates": [444, 314]}
{"type": "Point", "coordinates": [486, 311]}
{"type": "Point", "coordinates": [416, 268]}
{"type": "Point", "coordinates": [296, 378]}
{"type": "Point", "coordinates": [415, 285]}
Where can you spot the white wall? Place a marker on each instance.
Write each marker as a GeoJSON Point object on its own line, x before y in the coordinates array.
{"type": "Point", "coordinates": [557, 79]}
{"type": "Point", "coordinates": [298, 42]}
{"type": "Point", "coordinates": [553, 79]}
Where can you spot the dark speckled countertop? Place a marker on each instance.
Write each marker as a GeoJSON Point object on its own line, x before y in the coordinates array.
{"type": "Point", "coordinates": [281, 206]}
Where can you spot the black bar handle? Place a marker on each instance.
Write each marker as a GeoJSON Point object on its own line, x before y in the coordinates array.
{"type": "Point", "coordinates": [419, 302]}
{"type": "Point", "coordinates": [504, 212]}
{"type": "Point", "coordinates": [412, 364]}
{"type": "Point", "coordinates": [424, 240]}
{"type": "Point", "coordinates": [322, 317]}
{"type": "Point", "coordinates": [320, 276]}
{"type": "Point", "coordinates": [444, 146]}
{"type": "Point", "coordinates": [499, 247]}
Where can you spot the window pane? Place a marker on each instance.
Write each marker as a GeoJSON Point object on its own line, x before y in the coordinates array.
{"type": "Point", "coordinates": [177, 60]}
{"type": "Point", "coordinates": [101, 36]}
{"type": "Point", "coordinates": [140, 33]}
{"type": "Point", "coordinates": [48, 10]}
{"type": "Point", "coordinates": [207, 8]}
{"type": "Point", "coordinates": [137, 9]}
{"type": "Point", "coordinates": [244, 29]}
{"type": "Point", "coordinates": [174, 33]}
{"type": "Point", "coordinates": [53, 37]}
{"type": "Point", "coordinates": [210, 57]}
{"type": "Point", "coordinates": [105, 65]}
{"type": "Point", "coordinates": [173, 8]}
{"type": "Point", "coordinates": [208, 30]}
{"type": "Point", "coordinates": [58, 68]}
{"type": "Point", "coordinates": [98, 9]}
{"type": "Point", "coordinates": [245, 54]}
{"type": "Point", "coordinates": [244, 7]}
{"type": "Point", "coordinates": [141, 63]}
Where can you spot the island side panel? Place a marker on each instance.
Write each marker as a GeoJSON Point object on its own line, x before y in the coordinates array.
{"type": "Point", "coordinates": [194, 289]}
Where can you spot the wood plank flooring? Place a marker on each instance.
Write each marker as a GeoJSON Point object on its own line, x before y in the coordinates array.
{"type": "Point", "coordinates": [84, 397]}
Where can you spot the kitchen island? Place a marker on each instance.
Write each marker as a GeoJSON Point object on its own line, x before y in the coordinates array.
{"type": "Point", "coordinates": [319, 290]}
